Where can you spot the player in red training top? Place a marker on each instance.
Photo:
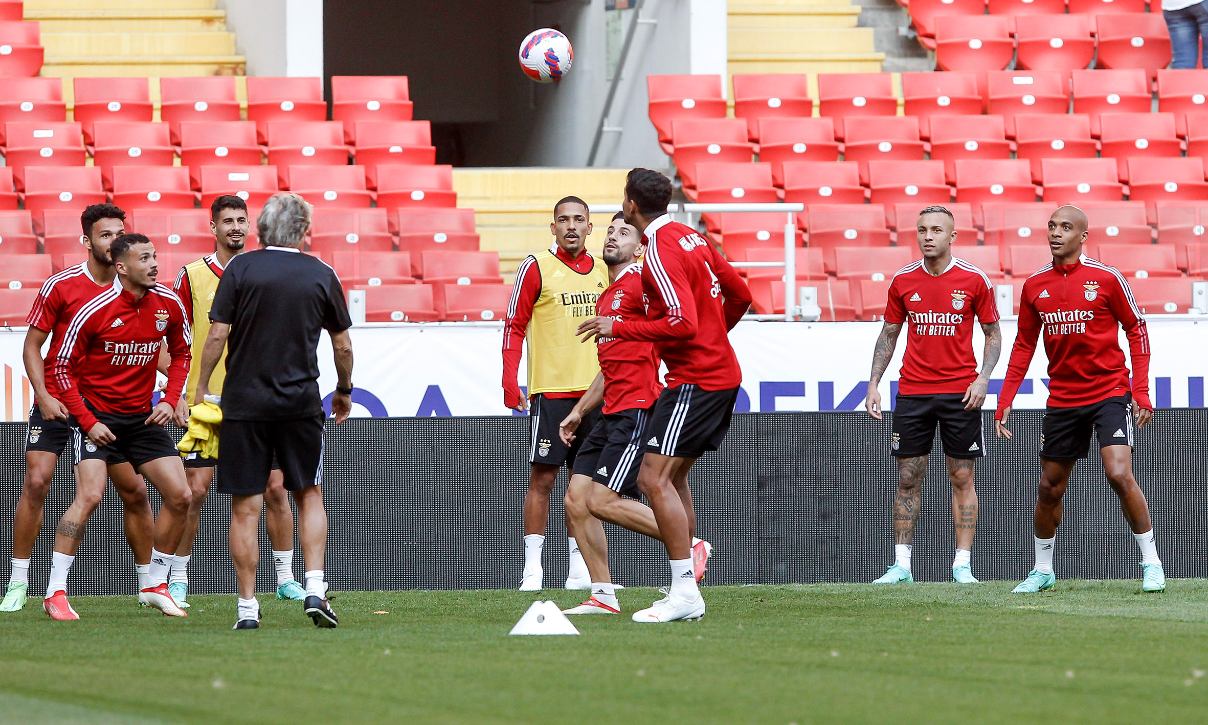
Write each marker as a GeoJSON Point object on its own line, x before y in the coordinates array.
{"type": "Point", "coordinates": [51, 428]}
{"type": "Point", "coordinates": [693, 298]}
{"type": "Point", "coordinates": [936, 299]}
{"type": "Point", "coordinates": [1080, 304]}
{"type": "Point", "coordinates": [106, 370]}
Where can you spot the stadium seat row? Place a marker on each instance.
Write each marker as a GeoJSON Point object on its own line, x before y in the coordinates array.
{"type": "Point", "coordinates": [21, 51]}
{"type": "Point", "coordinates": [924, 13]}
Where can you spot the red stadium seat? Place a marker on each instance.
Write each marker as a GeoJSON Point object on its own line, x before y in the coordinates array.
{"type": "Point", "coordinates": [253, 184]}
{"type": "Point", "coordinates": [330, 186]}
{"type": "Point", "coordinates": [767, 295]}
{"type": "Point", "coordinates": [17, 233]}
{"type": "Point", "coordinates": [24, 270]}
{"type": "Point", "coordinates": [837, 301]}
{"type": "Point", "coordinates": [8, 191]}
{"type": "Point", "coordinates": [12, 10]}
{"type": "Point", "coordinates": [369, 98]}
{"type": "Point", "coordinates": [1110, 91]}
{"type": "Point", "coordinates": [404, 185]}
{"type": "Point", "coordinates": [62, 187]}
{"type": "Point", "coordinates": [924, 14]}
{"type": "Point", "coordinates": [1183, 223]}
{"type": "Point", "coordinates": [808, 263]}
{"type": "Point", "coordinates": [941, 94]}
{"type": "Point", "coordinates": [31, 99]}
{"type": "Point", "coordinates": [1183, 91]}
{"type": "Point", "coordinates": [1022, 223]}
{"type": "Point", "coordinates": [905, 217]}
{"type": "Point", "coordinates": [1054, 42]}
{"type": "Point", "coordinates": [21, 52]}
{"type": "Point", "coordinates": [1099, 7]}
{"type": "Point", "coordinates": [454, 267]}
{"type": "Point", "coordinates": [919, 182]}
{"type": "Point", "coordinates": [973, 43]}
{"type": "Point", "coordinates": [987, 259]}
{"type": "Point", "coordinates": [734, 182]}
{"type": "Point", "coordinates": [1053, 136]}
{"type": "Point", "coordinates": [217, 144]}
{"type": "Point", "coordinates": [40, 143]}
{"type": "Point", "coordinates": [61, 233]}
{"type": "Point", "coordinates": [312, 143]}
{"type": "Point", "coordinates": [178, 230]}
{"type": "Point", "coordinates": [283, 99]}
{"type": "Point", "coordinates": [1009, 93]}
{"type": "Point", "coordinates": [1140, 260]}
{"type": "Point", "coordinates": [797, 139]}
{"type": "Point", "coordinates": [15, 305]}
{"type": "Point", "coordinates": [110, 100]}
{"type": "Point", "coordinates": [1197, 259]}
{"type": "Point", "coordinates": [770, 95]}
{"type": "Point", "coordinates": [393, 142]}
{"type": "Point", "coordinates": [1022, 260]}
{"type": "Point", "coordinates": [426, 230]}
{"type": "Point", "coordinates": [1158, 179]}
{"type": "Point", "coordinates": [707, 139]}
{"type": "Point", "coordinates": [1072, 181]}
{"type": "Point", "coordinates": [1195, 131]}
{"type": "Point", "coordinates": [400, 303]}
{"type": "Point", "coordinates": [163, 187]}
{"type": "Point", "coordinates": [198, 100]}
{"type": "Point", "coordinates": [1135, 40]}
{"type": "Point", "coordinates": [827, 182]}
{"type": "Point", "coordinates": [982, 180]}
{"type": "Point", "coordinates": [682, 96]}
{"type": "Point", "coordinates": [870, 263]}
{"type": "Point", "coordinates": [474, 302]}
{"type": "Point", "coordinates": [882, 137]}
{"type": "Point", "coordinates": [870, 297]}
{"type": "Point", "coordinates": [1025, 7]}
{"type": "Point", "coordinates": [130, 143]}
{"type": "Point", "coordinates": [363, 268]}
{"type": "Point", "coordinates": [968, 137]}
{"type": "Point", "coordinates": [846, 225]}
{"type": "Point", "coordinates": [1118, 222]}
{"type": "Point", "coordinates": [841, 95]}
{"type": "Point", "coordinates": [355, 229]}
{"type": "Point", "coordinates": [740, 232]}
{"type": "Point", "coordinates": [1127, 135]}
{"type": "Point", "coordinates": [1157, 295]}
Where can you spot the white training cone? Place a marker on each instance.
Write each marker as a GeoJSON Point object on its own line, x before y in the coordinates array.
{"type": "Point", "coordinates": [544, 618]}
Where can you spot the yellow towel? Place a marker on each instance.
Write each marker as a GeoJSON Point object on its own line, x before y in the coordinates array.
{"type": "Point", "coordinates": [202, 435]}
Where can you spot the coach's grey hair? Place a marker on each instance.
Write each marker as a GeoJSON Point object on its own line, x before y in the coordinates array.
{"type": "Point", "coordinates": [284, 221]}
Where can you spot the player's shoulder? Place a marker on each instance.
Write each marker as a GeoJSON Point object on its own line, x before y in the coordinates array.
{"type": "Point", "coordinates": [1106, 270]}
{"type": "Point", "coordinates": [1039, 277]}
{"type": "Point", "coordinates": [972, 270]}
{"type": "Point", "coordinates": [62, 279]}
{"type": "Point", "coordinates": [913, 268]}
{"type": "Point", "coordinates": [167, 293]}
{"type": "Point", "coordinates": [103, 301]}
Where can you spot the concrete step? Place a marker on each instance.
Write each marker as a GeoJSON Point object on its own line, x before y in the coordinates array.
{"type": "Point", "coordinates": [815, 41]}
{"type": "Point", "coordinates": [536, 188]}
{"type": "Point", "coordinates": [828, 16]}
{"type": "Point", "coordinates": [150, 65]}
{"type": "Point", "coordinates": [127, 5]}
{"type": "Point", "coordinates": [127, 44]}
{"type": "Point", "coordinates": [127, 21]}
{"type": "Point", "coordinates": [807, 63]}
{"type": "Point", "coordinates": [757, 6]}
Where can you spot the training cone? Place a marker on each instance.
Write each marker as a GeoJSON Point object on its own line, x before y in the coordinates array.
{"type": "Point", "coordinates": [544, 618]}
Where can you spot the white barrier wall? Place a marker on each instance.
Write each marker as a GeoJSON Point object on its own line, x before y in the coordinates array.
{"type": "Point", "coordinates": [455, 370]}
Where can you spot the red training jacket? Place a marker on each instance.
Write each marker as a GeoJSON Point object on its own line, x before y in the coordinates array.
{"type": "Point", "coordinates": [630, 368]}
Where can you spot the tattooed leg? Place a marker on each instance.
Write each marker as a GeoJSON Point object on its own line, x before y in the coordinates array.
{"type": "Point", "coordinates": [906, 503]}
{"type": "Point", "coordinates": [964, 501]}
{"type": "Point", "coordinates": [90, 485]}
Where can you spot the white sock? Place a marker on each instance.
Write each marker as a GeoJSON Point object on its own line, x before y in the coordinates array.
{"type": "Point", "coordinates": [315, 586]}
{"type": "Point", "coordinates": [1149, 549]}
{"type": "Point", "coordinates": [962, 558]}
{"type": "Point", "coordinates": [578, 567]}
{"type": "Point", "coordinates": [683, 580]}
{"type": "Point", "coordinates": [180, 570]}
{"type": "Point", "coordinates": [58, 573]}
{"type": "Point", "coordinates": [248, 609]}
{"type": "Point", "coordinates": [19, 573]}
{"type": "Point", "coordinates": [161, 564]}
{"type": "Point", "coordinates": [605, 593]}
{"type": "Point", "coordinates": [143, 572]}
{"type": "Point", "coordinates": [284, 563]}
{"type": "Point", "coordinates": [901, 555]}
{"type": "Point", "coordinates": [1044, 554]}
{"type": "Point", "coordinates": [533, 544]}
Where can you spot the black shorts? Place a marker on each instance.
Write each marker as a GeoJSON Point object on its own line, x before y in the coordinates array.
{"type": "Point", "coordinates": [1066, 432]}
{"type": "Point", "coordinates": [196, 460]}
{"type": "Point", "coordinates": [611, 453]}
{"type": "Point", "coordinates": [687, 421]}
{"type": "Point", "coordinates": [52, 436]}
{"type": "Point", "coordinates": [545, 415]}
{"type": "Point", "coordinates": [137, 441]}
{"type": "Point", "coordinates": [250, 447]}
{"type": "Point", "coordinates": [915, 418]}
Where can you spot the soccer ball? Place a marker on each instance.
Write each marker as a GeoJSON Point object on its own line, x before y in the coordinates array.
{"type": "Point", "coordinates": [546, 55]}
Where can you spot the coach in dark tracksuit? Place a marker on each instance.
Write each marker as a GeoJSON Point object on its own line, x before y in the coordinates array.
{"type": "Point", "coordinates": [269, 310]}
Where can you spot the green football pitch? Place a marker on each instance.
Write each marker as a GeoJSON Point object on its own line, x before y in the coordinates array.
{"type": "Point", "coordinates": [1088, 651]}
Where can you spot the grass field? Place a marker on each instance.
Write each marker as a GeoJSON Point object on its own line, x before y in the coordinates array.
{"type": "Point", "coordinates": [1087, 652]}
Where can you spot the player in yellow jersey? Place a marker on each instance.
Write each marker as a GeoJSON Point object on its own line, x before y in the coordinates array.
{"type": "Point", "coordinates": [555, 290]}
{"type": "Point", "coordinates": [195, 285]}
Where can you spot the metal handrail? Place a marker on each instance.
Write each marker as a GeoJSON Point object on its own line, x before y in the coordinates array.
{"type": "Point", "coordinates": [616, 78]}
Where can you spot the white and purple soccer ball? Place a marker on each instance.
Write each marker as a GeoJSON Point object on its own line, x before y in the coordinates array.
{"type": "Point", "coordinates": [545, 55]}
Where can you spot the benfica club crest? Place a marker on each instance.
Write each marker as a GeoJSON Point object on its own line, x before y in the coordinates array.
{"type": "Point", "coordinates": [616, 300]}
{"type": "Point", "coordinates": [1090, 290]}
{"type": "Point", "coordinates": [161, 320]}
{"type": "Point", "coordinates": [958, 299]}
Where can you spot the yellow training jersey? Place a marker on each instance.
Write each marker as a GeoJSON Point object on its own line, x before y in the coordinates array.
{"type": "Point", "coordinates": [557, 361]}
{"type": "Point", "coordinates": [195, 285]}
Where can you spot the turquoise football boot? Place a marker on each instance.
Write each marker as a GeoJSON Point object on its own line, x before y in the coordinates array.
{"type": "Point", "coordinates": [1036, 582]}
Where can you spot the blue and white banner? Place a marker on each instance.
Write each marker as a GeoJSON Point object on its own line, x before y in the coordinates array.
{"type": "Point", "coordinates": [456, 369]}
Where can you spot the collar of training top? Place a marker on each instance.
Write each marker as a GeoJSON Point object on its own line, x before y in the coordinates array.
{"type": "Point", "coordinates": [653, 227]}
{"type": "Point", "coordinates": [272, 248]}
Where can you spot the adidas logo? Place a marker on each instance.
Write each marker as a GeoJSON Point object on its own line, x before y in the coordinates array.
{"type": "Point", "coordinates": [974, 447]}
{"type": "Point", "coordinates": [1044, 295]}
{"type": "Point", "coordinates": [116, 323]}
{"type": "Point", "coordinates": [1118, 434]}
{"type": "Point", "coordinates": [915, 297]}
{"type": "Point", "coordinates": [688, 575]}
{"type": "Point", "coordinates": [653, 441]}
{"type": "Point", "coordinates": [603, 471]}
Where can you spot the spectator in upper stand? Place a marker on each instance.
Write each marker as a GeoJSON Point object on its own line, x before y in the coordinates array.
{"type": "Point", "coordinates": [1188, 24]}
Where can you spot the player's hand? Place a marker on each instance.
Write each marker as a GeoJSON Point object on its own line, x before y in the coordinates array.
{"type": "Point", "coordinates": [101, 435]}
{"type": "Point", "coordinates": [595, 327]}
{"type": "Point", "coordinates": [162, 414]}
{"type": "Point", "coordinates": [520, 402]}
{"type": "Point", "coordinates": [341, 407]}
{"type": "Point", "coordinates": [1143, 416]}
{"type": "Point", "coordinates": [1000, 426]}
{"type": "Point", "coordinates": [975, 395]}
{"type": "Point", "coordinates": [872, 401]}
{"type": "Point", "coordinates": [52, 408]}
{"type": "Point", "coordinates": [200, 396]}
{"type": "Point", "coordinates": [181, 417]}
{"type": "Point", "coordinates": [568, 426]}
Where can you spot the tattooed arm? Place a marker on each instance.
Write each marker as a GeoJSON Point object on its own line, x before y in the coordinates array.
{"type": "Point", "coordinates": [881, 355]}
{"type": "Point", "coordinates": [975, 395]}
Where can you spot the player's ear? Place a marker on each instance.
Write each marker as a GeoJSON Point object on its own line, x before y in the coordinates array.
{"type": "Point", "coordinates": [589, 228]}
{"type": "Point", "coordinates": [84, 240]}
{"type": "Point", "coordinates": [553, 229]}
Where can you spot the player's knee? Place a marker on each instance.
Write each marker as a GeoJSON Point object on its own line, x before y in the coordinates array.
{"type": "Point", "coordinates": [36, 486]}
{"type": "Point", "coordinates": [962, 480]}
{"type": "Point", "coordinates": [177, 498]}
{"type": "Point", "coordinates": [135, 496]}
{"type": "Point", "coordinates": [576, 504]}
{"type": "Point", "coordinates": [88, 499]}
{"type": "Point", "coordinates": [1121, 480]}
